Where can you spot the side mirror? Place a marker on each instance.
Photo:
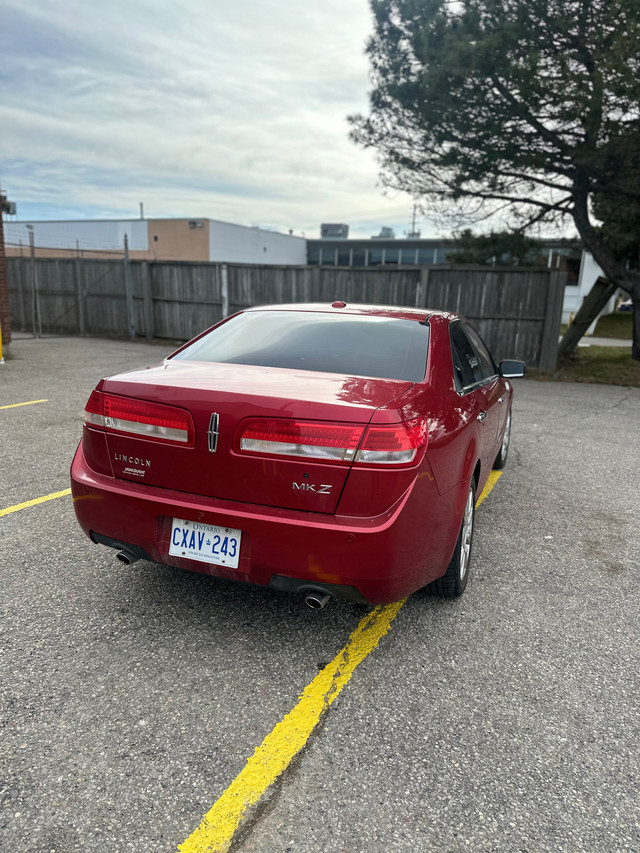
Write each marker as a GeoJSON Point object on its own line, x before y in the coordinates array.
{"type": "Point", "coordinates": [511, 369]}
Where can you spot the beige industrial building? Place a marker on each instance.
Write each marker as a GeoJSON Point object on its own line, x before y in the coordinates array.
{"type": "Point", "coordinates": [155, 240]}
{"type": "Point", "coordinates": [210, 240]}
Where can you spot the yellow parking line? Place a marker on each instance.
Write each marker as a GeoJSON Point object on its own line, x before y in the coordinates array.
{"type": "Point", "coordinates": [290, 735]}
{"type": "Point", "coordinates": [29, 403]}
{"type": "Point", "coordinates": [494, 476]}
{"type": "Point", "coordinates": [278, 749]}
{"type": "Point", "coordinates": [35, 501]}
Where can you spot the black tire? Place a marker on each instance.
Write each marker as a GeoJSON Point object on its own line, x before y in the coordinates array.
{"type": "Point", "coordinates": [454, 581]}
{"type": "Point", "coordinates": [501, 458]}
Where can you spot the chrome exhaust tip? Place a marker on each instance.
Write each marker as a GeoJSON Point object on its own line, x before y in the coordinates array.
{"type": "Point", "coordinates": [316, 599]}
{"type": "Point", "coordinates": [127, 557]}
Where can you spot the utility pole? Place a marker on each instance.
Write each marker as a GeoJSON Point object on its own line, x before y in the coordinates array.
{"type": "Point", "coordinates": [413, 234]}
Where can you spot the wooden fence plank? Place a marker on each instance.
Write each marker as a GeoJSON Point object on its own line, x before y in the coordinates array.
{"type": "Point", "coordinates": [516, 310]}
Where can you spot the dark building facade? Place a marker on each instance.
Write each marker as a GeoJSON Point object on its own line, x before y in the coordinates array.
{"type": "Point", "coordinates": [377, 252]}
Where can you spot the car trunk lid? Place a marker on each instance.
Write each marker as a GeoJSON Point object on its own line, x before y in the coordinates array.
{"type": "Point", "coordinates": [220, 399]}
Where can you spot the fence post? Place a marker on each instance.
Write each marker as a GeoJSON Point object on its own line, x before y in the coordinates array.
{"type": "Point", "coordinates": [35, 302]}
{"type": "Point", "coordinates": [78, 268]}
{"type": "Point", "coordinates": [127, 290]}
{"type": "Point", "coordinates": [317, 276]}
{"type": "Point", "coordinates": [224, 290]}
{"type": "Point", "coordinates": [552, 320]}
{"type": "Point", "coordinates": [22, 277]}
{"type": "Point", "coordinates": [422, 288]}
{"type": "Point", "coordinates": [147, 299]}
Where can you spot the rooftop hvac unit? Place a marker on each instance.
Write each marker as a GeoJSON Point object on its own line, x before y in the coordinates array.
{"type": "Point", "coordinates": [334, 231]}
{"type": "Point", "coordinates": [386, 233]}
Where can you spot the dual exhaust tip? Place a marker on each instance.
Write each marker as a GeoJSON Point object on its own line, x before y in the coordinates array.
{"type": "Point", "coordinates": [127, 557]}
{"type": "Point", "coordinates": [316, 599]}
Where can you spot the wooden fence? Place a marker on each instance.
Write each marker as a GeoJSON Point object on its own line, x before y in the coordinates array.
{"type": "Point", "coordinates": [516, 310]}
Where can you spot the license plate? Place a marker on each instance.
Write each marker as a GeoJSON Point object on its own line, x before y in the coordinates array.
{"type": "Point", "coordinates": [194, 540]}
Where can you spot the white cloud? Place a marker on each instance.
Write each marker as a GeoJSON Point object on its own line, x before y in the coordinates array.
{"type": "Point", "coordinates": [232, 111]}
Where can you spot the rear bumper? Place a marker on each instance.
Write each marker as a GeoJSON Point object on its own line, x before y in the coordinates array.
{"type": "Point", "coordinates": [378, 559]}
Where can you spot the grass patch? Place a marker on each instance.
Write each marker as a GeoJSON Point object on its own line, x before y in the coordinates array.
{"type": "Point", "coordinates": [619, 325]}
{"type": "Point", "coordinates": [602, 365]}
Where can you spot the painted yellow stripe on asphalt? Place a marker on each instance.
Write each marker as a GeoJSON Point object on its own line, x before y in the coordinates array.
{"type": "Point", "coordinates": [278, 749]}
{"type": "Point", "coordinates": [494, 476]}
{"type": "Point", "coordinates": [28, 403]}
{"type": "Point", "coordinates": [290, 735]}
{"type": "Point", "coordinates": [35, 501]}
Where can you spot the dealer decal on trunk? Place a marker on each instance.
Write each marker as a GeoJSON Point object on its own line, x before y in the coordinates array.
{"type": "Point", "coordinates": [139, 462]}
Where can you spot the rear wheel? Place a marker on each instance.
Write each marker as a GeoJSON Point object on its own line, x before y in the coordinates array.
{"type": "Point", "coordinates": [501, 458]}
{"type": "Point", "coordinates": [452, 584]}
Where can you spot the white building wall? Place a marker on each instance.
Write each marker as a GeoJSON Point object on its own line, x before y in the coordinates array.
{"type": "Point", "coordinates": [241, 245]}
{"type": "Point", "coordinates": [574, 295]}
{"type": "Point", "coordinates": [83, 234]}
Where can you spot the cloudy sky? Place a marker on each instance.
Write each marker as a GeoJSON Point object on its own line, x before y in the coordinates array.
{"type": "Point", "coordinates": [227, 110]}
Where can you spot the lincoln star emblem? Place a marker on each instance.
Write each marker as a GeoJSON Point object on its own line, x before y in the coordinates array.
{"type": "Point", "coordinates": [212, 432]}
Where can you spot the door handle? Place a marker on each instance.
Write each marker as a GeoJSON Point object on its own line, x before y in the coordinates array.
{"type": "Point", "coordinates": [500, 399]}
{"type": "Point", "coordinates": [482, 416]}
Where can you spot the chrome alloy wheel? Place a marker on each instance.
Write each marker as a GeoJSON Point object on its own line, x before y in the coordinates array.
{"type": "Point", "coordinates": [466, 535]}
{"type": "Point", "coordinates": [453, 582]}
{"type": "Point", "coordinates": [506, 437]}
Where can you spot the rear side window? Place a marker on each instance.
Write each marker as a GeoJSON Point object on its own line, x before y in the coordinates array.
{"type": "Point", "coordinates": [466, 363]}
{"type": "Point", "coordinates": [383, 347]}
{"type": "Point", "coordinates": [488, 365]}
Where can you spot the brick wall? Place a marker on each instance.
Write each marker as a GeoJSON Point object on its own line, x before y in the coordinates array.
{"type": "Point", "coordinates": [5, 316]}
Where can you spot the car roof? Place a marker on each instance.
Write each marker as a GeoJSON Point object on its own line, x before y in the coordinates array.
{"type": "Point", "coordinates": [342, 308]}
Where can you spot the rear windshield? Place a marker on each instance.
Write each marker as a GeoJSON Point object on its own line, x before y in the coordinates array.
{"type": "Point", "coordinates": [357, 345]}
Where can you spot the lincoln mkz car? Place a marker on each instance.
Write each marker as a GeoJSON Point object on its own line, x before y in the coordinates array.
{"type": "Point", "coordinates": [331, 450]}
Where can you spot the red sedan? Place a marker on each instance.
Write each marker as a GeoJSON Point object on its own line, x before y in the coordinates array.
{"type": "Point", "coordinates": [331, 450]}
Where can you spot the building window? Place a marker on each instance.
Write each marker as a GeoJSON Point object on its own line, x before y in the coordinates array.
{"type": "Point", "coordinates": [408, 256]}
{"type": "Point", "coordinates": [425, 256]}
{"type": "Point", "coordinates": [313, 255]}
{"type": "Point", "coordinates": [344, 258]}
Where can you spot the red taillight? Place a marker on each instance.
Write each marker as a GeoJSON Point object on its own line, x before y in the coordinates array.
{"type": "Point", "coordinates": [393, 444]}
{"type": "Point", "coordinates": [149, 420]}
{"type": "Point", "coordinates": [94, 404]}
{"type": "Point", "coordinates": [309, 439]}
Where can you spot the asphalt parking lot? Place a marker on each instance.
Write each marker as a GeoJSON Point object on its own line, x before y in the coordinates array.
{"type": "Point", "coordinates": [132, 697]}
